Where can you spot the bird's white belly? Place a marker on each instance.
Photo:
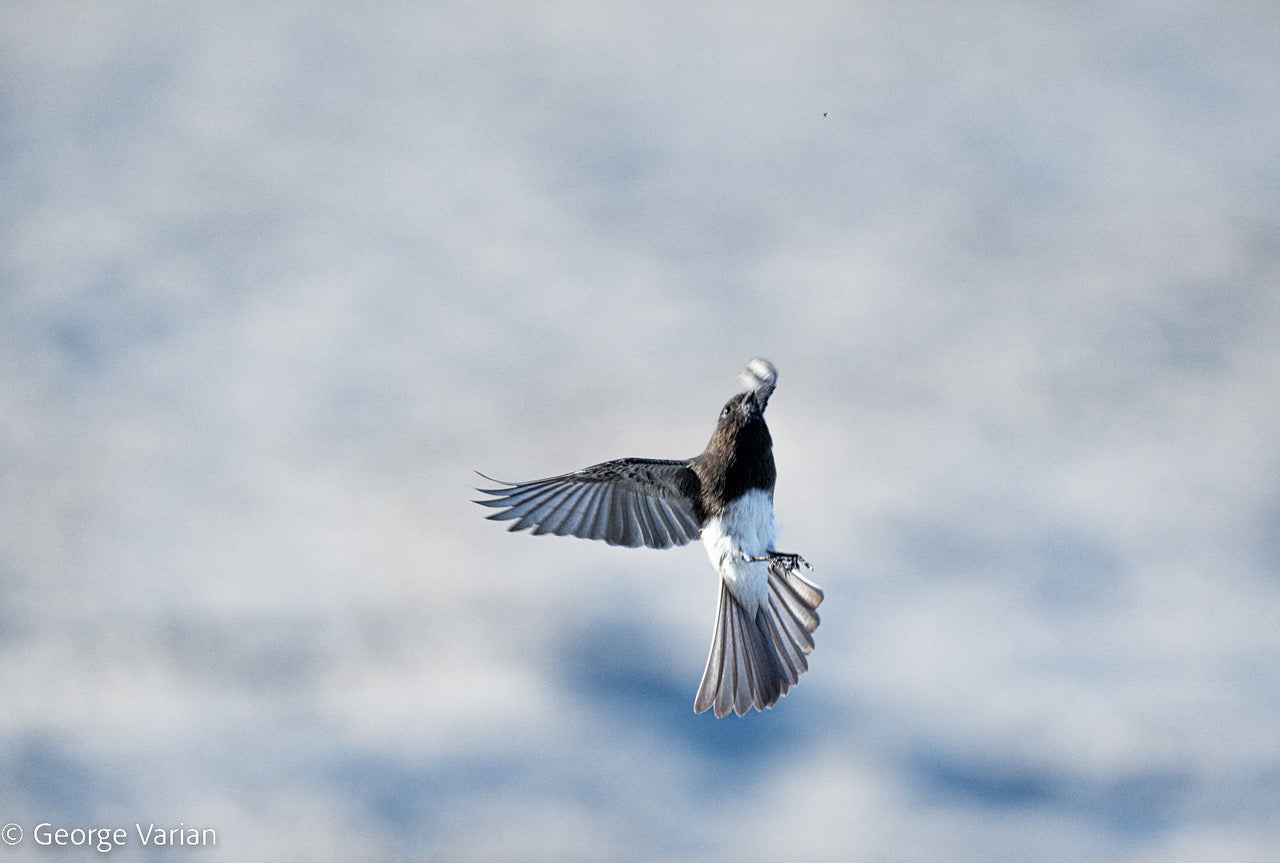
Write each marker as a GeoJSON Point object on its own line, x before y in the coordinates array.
{"type": "Point", "coordinates": [745, 529]}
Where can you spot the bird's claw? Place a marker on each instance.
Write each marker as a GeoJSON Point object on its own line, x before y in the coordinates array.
{"type": "Point", "coordinates": [791, 561]}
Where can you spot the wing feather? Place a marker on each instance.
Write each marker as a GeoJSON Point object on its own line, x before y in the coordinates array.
{"type": "Point", "coordinates": [629, 502]}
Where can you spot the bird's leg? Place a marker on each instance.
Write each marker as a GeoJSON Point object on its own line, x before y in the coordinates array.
{"type": "Point", "coordinates": [791, 561]}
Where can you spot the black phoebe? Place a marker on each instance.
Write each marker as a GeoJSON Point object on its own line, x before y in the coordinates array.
{"type": "Point", "coordinates": [725, 495]}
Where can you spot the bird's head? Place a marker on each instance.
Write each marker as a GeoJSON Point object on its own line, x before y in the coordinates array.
{"type": "Point", "coordinates": [746, 408]}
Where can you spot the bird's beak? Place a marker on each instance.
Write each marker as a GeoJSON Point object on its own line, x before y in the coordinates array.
{"type": "Point", "coordinates": [759, 379]}
{"type": "Point", "coordinates": [759, 400]}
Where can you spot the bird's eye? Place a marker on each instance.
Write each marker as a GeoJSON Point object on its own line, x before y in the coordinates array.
{"type": "Point", "coordinates": [725, 412]}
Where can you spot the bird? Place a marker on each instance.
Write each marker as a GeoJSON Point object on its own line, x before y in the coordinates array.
{"type": "Point", "coordinates": [767, 611]}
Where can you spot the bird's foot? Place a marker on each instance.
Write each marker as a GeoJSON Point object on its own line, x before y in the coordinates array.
{"type": "Point", "coordinates": [790, 561]}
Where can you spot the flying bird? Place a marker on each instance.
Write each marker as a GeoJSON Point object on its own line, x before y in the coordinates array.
{"type": "Point", "coordinates": [768, 611]}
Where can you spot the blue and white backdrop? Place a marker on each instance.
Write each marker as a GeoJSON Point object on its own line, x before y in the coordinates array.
{"type": "Point", "coordinates": [276, 278]}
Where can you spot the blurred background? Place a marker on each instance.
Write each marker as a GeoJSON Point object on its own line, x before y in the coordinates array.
{"type": "Point", "coordinates": [275, 279]}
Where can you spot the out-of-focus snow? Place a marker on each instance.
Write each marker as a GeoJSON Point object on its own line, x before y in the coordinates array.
{"type": "Point", "coordinates": [274, 281]}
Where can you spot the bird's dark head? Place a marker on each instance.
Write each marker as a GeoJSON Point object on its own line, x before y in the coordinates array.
{"type": "Point", "coordinates": [742, 418]}
{"type": "Point", "coordinates": [747, 407]}
{"type": "Point", "coordinates": [740, 414]}
{"type": "Point", "coordinates": [740, 453]}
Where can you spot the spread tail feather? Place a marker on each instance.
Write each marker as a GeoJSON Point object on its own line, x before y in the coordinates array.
{"type": "Point", "coordinates": [754, 661]}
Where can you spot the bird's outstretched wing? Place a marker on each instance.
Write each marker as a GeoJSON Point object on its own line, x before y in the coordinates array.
{"type": "Point", "coordinates": [631, 502]}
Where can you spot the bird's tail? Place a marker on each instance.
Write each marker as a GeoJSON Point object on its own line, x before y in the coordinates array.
{"type": "Point", "coordinates": [754, 662]}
